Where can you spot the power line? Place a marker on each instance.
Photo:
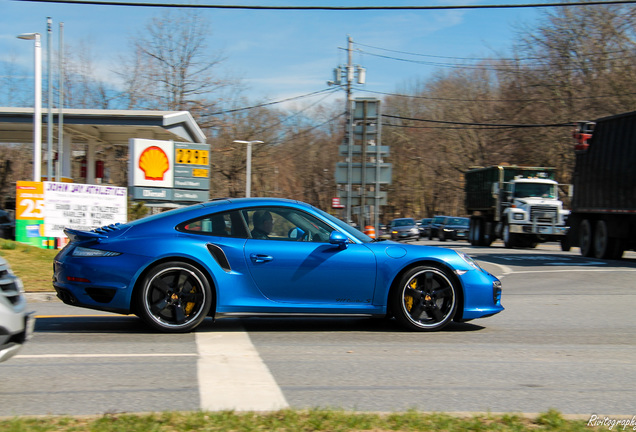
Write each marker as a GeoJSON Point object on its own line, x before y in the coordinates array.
{"type": "Point", "coordinates": [514, 68]}
{"type": "Point", "coordinates": [569, 124]}
{"type": "Point", "coordinates": [434, 56]}
{"type": "Point", "coordinates": [293, 115]}
{"type": "Point", "coordinates": [476, 58]}
{"type": "Point", "coordinates": [330, 90]}
{"type": "Point", "coordinates": [449, 127]}
{"type": "Point", "coordinates": [335, 8]}
{"type": "Point", "coordinates": [438, 99]}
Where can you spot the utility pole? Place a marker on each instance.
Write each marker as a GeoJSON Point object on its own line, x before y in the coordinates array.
{"type": "Point", "coordinates": [344, 76]}
{"type": "Point", "coordinates": [49, 118]}
{"type": "Point", "coordinates": [349, 131]}
{"type": "Point", "coordinates": [362, 141]}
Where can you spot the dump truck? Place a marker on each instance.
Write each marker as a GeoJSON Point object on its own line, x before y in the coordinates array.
{"type": "Point", "coordinates": [603, 218]}
{"type": "Point", "coordinates": [517, 204]}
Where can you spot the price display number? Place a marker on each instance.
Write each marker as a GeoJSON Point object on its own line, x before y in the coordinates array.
{"type": "Point", "coordinates": [30, 209]}
{"type": "Point", "coordinates": [199, 172]}
{"type": "Point", "coordinates": [192, 157]}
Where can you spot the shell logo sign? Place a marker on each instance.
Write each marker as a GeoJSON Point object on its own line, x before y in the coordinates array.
{"type": "Point", "coordinates": [152, 163]}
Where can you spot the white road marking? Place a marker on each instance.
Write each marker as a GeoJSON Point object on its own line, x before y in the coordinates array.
{"type": "Point", "coordinates": [232, 375]}
{"type": "Point", "coordinates": [32, 356]}
{"type": "Point", "coordinates": [505, 270]}
{"type": "Point", "coordinates": [613, 270]}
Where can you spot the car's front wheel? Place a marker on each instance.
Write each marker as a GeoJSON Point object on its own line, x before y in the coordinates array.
{"type": "Point", "coordinates": [174, 297]}
{"type": "Point", "coordinates": [425, 299]}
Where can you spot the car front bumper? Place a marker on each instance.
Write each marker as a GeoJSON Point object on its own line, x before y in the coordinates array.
{"type": "Point", "coordinates": [13, 339]}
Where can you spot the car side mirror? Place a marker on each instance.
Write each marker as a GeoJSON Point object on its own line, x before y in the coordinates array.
{"type": "Point", "coordinates": [338, 239]}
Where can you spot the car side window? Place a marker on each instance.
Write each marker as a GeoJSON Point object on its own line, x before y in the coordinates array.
{"type": "Point", "coordinates": [278, 223]}
{"type": "Point", "coordinates": [227, 224]}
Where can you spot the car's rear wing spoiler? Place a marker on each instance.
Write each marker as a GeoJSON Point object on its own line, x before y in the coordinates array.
{"type": "Point", "coordinates": [77, 235]}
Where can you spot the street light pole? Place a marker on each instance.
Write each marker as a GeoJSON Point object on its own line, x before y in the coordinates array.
{"type": "Point", "coordinates": [37, 108]}
{"type": "Point", "coordinates": [49, 121]}
{"type": "Point", "coordinates": [248, 174]}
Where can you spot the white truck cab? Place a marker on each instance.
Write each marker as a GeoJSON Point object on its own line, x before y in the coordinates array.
{"type": "Point", "coordinates": [533, 208]}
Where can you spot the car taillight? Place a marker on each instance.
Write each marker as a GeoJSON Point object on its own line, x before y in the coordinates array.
{"type": "Point", "coordinates": [77, 279]}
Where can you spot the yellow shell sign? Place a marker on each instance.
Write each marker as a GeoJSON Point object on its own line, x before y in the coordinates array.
{"type": "Point", "coordinates": [154, 162]}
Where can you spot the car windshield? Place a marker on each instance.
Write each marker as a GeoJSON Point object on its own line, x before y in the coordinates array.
{"type": "Point", "coordinates": [403, 222]}
{"type": "Point", "coordinates": [540, 190]}
{"type": "Point", "coordinates": [458, 221]}
{"type": "Point", "coordinates": [359, 235]}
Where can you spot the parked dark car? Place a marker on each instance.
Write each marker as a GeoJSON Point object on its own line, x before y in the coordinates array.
{"type": "Point", "coordinates": [454, 228]}
{"type": "Point", "coordinates": [435, 224]}
{"type": "Point", "coordinates": [424, 226]}
{"type": "Point", "coordinates": [7, 226]}
{"type": "Point", "coordinates": [404, 229]}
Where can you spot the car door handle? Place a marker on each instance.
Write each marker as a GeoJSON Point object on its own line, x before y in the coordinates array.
{"type": "Point", "coordinates": [259, 258]}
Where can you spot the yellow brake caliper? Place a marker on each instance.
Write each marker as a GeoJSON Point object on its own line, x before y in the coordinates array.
{"type": "Point", "coordinates": [190, 305]}
{"type": "Point", "coordinates": [408, 300]}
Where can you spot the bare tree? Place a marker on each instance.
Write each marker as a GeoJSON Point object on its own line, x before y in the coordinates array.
{"type": "Point", "coordinates": [170, 66]}
{"type": "Point", "coordinates": [14, 85]}
{"type": "Point", "coordinates": [86, 84]}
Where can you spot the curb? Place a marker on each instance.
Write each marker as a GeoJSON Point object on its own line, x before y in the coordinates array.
{"type": "Point", "coordinates": [41, 297]}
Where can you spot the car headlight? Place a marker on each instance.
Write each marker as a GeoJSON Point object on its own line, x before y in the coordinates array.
{"type": "Point", "coordinates": [87, 252]}
{"type": "Point", "coordinates": [517, 216]}
{"type": "Point", "coordinates": [469, 260]}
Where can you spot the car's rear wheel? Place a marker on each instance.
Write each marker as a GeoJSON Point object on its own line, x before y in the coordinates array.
{"type": "Point", "coordinates": [174, 297]}
{"type": "Point", "coordinates": [425, 299]}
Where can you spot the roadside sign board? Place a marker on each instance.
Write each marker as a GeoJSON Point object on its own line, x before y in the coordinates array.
{"type": "Point", "coordinates": [168, 171]}
{"type": "Point", "coordinates": [82, 207]}
{"type": "Point", "coordinates": [29, 213]}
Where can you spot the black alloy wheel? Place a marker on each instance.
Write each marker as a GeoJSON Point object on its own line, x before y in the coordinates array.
{"type": "Point", "coordinates": [425, 299]}
{"type": "Point", "coordinates": [175, 297]}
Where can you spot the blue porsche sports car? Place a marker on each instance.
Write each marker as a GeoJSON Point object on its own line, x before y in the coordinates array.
{"type": "Point", "coordinates": [262, 256]}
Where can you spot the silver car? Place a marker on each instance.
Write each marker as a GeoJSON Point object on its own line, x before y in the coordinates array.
{"type": "Point", "coordinates": [16, 325]}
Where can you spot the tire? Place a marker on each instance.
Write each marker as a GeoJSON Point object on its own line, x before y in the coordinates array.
{"type": "Point", "coordinates": [471, 232]}
{"type": "Point", "coordinates": [425, 299]}
{"type": "Point", "coordinates": [489, 235]}
{"type": "Point", "coordinates": [509, 239]}
{"type": "Point", "coordinates": [174, 297]}
{"type": "Point", "coordinates": [565, 243]}
{"type": "Point", "coordinates": [605, 247]}
{"type": "Point", "coordinates": [441, 236]}
{"type": "Point", "coordinates": [478, 234]}
{"type": "Point", "coordinates": [586, 240]}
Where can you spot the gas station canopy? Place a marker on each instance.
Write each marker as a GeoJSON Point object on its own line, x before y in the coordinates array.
{"type": "Point", "coordinates": [102, 126]}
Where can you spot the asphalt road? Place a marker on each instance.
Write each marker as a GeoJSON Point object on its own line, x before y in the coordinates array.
{"type": "Point", "coordinates": [567, 340]}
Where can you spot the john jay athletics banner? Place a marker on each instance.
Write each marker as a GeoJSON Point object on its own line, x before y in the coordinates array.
{"type": "Point", "coordinates": [82, 207]}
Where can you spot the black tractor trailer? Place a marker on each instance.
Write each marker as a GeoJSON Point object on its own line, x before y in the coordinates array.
{"type": "Point", "coordinates": [602, 221]}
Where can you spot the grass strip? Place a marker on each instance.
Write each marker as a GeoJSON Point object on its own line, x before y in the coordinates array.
{"type": "Point", "coordinates": [296, 421]}
{"type": "Point", "coordinates": [32, 264]}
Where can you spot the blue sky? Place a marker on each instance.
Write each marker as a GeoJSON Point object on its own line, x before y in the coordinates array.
{"type": "Point", "coordinates": [281, 54]}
